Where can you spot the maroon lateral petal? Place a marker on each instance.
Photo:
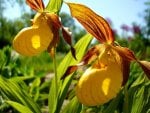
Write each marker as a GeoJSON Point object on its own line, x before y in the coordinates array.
{"type": "Point", "coordinates": [67, 37]}
{"type": "Point", "coordinates": [126, 71]}
{"type": "Point", "coordinates": [69, 70]}
{"type": "Point", "coordinates": [90, 56]}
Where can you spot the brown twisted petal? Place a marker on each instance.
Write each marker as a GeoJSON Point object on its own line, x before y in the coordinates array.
{"type": "Point", "coordinates": [33, 40]}
{"type": "Point", "coordinates": [125, 53]}
{"type": "Point", "coordinates": [89, 57]}
{"type": "Point", "coordinates": [127, 56]}
{"type": "Point", "coordinates": [67, 38]}
{"type": "Point", "coordinates": [125, 70]}
{"type": "Point", "coordinates": [54, 20]}
{"type": "Point", "coordinates": [93, 23]}
{"type": "Point", "coordinates": [55, 23]}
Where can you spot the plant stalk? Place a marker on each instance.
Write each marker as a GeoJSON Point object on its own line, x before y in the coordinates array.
{"type": "Point", "coordinates": [126, 103]}
{"type": "Point", "coordinates": [55, 71]}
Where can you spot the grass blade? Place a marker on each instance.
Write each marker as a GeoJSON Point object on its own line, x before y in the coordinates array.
{"type": "Point", "coordinates": [21, 108]}
{"type": "Point", "coordinates": [14, 92]}
{"type": "Point", "coordinates": [73, 106]}
{"type": "Point", "coordinates": [114, 104]}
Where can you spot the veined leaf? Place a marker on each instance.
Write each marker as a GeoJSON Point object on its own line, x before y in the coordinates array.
{"type": "Point", "coordinates": [34, 90]}
{"type": "Point", "coordinates": [14, 92]}
{"type": "Point", "coordinates": [146, 107]}
{"type": "Point", "coordinates": [114, 104]}
{"type": "Point", "coordinates": [80, 48]}
{"type": "Point", "coordinates": [21, 108]}
{"type": "Point", "coordinates": [139, 96]}
{"type": "Point", "coordinates": [138, 101]}
{"type": "Point", "coordinates": [54, 6]}
{"type": "Point", "coordinates": [83, 43]}
{"type": "Point", "coordinates": [73, 106]}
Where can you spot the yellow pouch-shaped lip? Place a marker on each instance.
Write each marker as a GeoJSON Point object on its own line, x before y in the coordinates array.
{"type": "Point", "coordinates": [33, 40]}
{"type": "Point", "coordinates": [102, 81]}
{"type": "Point", "coordinates": [98, 86]}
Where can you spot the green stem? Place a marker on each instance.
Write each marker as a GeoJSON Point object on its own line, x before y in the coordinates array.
{"type": "Point", "coordinates": [53, 91]}
{"type": "Point", "coordinates": [55, 71]}
{"type": "Point", "coordinates": [126, 103]}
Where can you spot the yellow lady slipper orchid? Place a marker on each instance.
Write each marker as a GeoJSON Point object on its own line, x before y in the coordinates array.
{"type": "Point", "coordinates": [35, 39]}
{"type": "Point", "coordinates": [43, 34]}
{"type": "Point", "coordinates": [102, 81]}
{"type": "Point", "coordinates": [109, 62]}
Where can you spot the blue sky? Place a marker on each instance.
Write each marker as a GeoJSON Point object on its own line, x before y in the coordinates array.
{"type": "Point", "coordinates": [119, 11]}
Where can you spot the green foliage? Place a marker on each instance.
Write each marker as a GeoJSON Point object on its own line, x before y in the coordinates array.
{"type": "Point", "coordinates": [54, 6]}
{"type": "Point", "coordinates": [12, 90]}
{"type": "Point", "coordinates": [73, 106]}
{"type": "Point", "coordinates": [19, 107]}
{"type": "Point", "coordinates": [35, 88]}
{"type": "Point", "coordinates": [12, 64]}
{"type": "Point", "coordinates": [55, 102]}
{"type": "Point", "coordinates": [9, 65]}
{"type": "Point", "coordinates": [9, 29]}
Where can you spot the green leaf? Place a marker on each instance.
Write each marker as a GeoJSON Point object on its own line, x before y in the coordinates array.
{"type": "Point", "coordinates": [73, 106]}
{"type": "Point", "coordinates": [138, 101]}
{"type": "Point", "coordinates": [138, 95]}
{"type": "Point", "coordinates": [55, 103]}
{"type": "Point", "coordinates": [14, 92]}
{"type": "Point", "coordinates": [139, 81]}
{"type": "Point", "coordinates": [34, 90]}
{"type": "Point", "coordinates": [54, 6]}
{"type": "Point", "coordinates": [21, 108]}
{"type": "Point", "coordinates": [146, 107]}
{"type": "Point", "coordinates": [114, 104]}
{"type": "Point", "coordinates": [52, 98]}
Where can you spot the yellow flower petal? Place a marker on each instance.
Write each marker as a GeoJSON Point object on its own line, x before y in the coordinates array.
{"type": "Point", "coordinates": [35, 39]}
{"type": "Point", "coordinates": [98, 86]}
